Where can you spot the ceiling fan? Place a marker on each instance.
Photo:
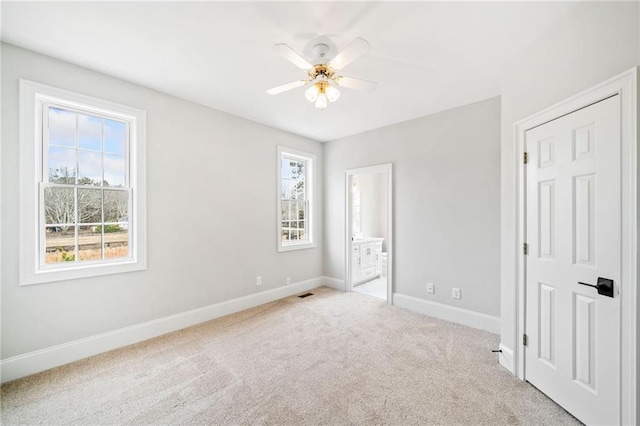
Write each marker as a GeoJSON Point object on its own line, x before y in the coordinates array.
{"type": "Point", "coordinates": [323, 73]}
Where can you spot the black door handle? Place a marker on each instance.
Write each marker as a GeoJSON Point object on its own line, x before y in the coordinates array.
{"type": "Point", "coordinates": [604, 286]}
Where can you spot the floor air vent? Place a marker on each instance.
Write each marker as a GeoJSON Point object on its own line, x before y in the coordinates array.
{"type": "Point", "coordinates": [302, 296]}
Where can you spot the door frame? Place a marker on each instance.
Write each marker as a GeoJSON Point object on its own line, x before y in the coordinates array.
{"type": "Point", "coordinates": [626, 86]}
{"type": "Point", "coordinates": [387, 170]}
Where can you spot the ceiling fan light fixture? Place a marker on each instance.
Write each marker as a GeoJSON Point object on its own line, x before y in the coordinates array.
{"type": "Point", "coordinates": [332, 93]}
{"type": "Point", "coordinates": [321, 102]}
{"type": "Point", "coordinates": [312, 93]}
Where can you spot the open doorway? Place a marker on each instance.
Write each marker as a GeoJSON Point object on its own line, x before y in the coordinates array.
{"type": "Point", "coordinates": [368, 236]}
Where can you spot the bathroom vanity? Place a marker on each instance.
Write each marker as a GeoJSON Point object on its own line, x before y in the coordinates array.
{"type": "Point", "coordinates": [366, 259]}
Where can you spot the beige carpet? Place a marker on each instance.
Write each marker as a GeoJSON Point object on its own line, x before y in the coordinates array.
{"type": "Point", "coordinates": [332, 358]}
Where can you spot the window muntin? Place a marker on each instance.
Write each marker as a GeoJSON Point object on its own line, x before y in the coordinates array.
{"type": "Point", "coordinates": [295, 199]}
{"type": "Point", "coordinates": [86, 195]}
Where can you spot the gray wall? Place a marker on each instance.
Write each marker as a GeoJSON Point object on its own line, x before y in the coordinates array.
{"type": "Point", "coordinates": [211, 215]}
{"type": "Point", "coordinates": [592, 43]}
{"type": "Point", "coordinates": [446, 170]}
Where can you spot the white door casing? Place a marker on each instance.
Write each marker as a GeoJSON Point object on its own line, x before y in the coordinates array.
{"type": "Point", "coordinates": [573, 235]}
{"type": "Point", "coordinates": [350, 259]}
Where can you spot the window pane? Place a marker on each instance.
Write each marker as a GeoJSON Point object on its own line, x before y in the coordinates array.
{"type": "Point", "coordinates": [293, 184]}
{"type": "Point", "coordinates": [89, 168]}
{"type": "Point", "coordinates": [116, 241]}
{"type": "Point", "coordinates": [297, 169]}
{"type": "Point", "coordinates": [62, 165]}
{"type": "Point", "coordinates": [89, 205]}
{"type": "Point", "coordinates": [285, 188]}
{"type": "Point", "coordinates": [89, 132]}
{"type": "Point", "coordinates": [114, 171]}
{"type": "Point", "coordinates": [115, 134]}
{"type": "Point", "coordinates": [292, 193]}
{"type": "Point", "coordinates": [285, 168]}
{"type": "Point", "coordinates": [299, 189]}
{"type": "Point", "coordinates": [59, 206]}
{"type": "Point", "coordinates": [302, 216]}
{"type": "Point", "coordinates": [302, 208]}
{"type": "Point", "coordinates": [90, 242]}
{"type": "Point", "coordinates": [59, 244]}
{"type": "Point", "coordinates": [116, 206]}
{"type": "Point", "coordinates": [62, 127]}
{"type": "Point", "coordinates": [284, 206]}
{"type": "Point", "coordinates": [292, 169]}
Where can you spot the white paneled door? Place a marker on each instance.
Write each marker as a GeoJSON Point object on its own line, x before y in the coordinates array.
{"type": "Point", "coordinates": [573, 236]}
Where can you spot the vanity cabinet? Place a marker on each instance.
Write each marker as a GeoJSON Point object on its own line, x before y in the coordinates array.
{"type": "Point", "coordinates": [366, 259]}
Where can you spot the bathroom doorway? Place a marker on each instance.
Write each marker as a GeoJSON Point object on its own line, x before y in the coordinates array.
{"type": "Point", "coordinates": [369, 219]}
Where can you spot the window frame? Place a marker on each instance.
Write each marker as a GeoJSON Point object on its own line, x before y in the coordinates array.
{"type": "Point", "coordinates": [34, 98]}
{"type": "Point", "coordinates": [310, 159]}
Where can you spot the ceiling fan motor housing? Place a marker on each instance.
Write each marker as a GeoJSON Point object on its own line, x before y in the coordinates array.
{"type": "Point", "coordinates": [322, 72]}
{"type": "Point", "coordinates": [320, 50]}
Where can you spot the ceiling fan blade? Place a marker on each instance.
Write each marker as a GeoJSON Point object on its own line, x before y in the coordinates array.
{"type": "Point", "coordinates": [285, 87]}
{"type": "Point", "coordinates": [292, 56]}
{"type": "Point", "coordinates": [356, 83]}
{"type": "Point", "coordinates": [350, 53]}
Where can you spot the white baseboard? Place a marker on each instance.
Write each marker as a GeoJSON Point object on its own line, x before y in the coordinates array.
{"type": "Point", "coordinates": [334, 283]}
{"type": "Point", "coordinates": [449, 313]}
{"type": "Point", "coordinates": [506, 358]}
{"type": "Point", "coordinates": [54, 356]}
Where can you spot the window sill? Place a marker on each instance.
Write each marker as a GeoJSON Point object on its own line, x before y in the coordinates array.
{"type": "Point", "coordinates": [292, 247]}
{"type": "Point", "coordinates": [81, 271]}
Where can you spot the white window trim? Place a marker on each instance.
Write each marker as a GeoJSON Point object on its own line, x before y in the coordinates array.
{"type": "Point", "coordinates": [32, 97]}
{"type": "Point", "coordinates": [311, 182]}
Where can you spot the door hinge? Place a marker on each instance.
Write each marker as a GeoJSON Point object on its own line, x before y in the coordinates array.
{"type": "Point", "coordinates": [524, 339]}
{"type": "Point", "coordinates": [525, 248]}
{"type": "Point", "coordinates": [525, 158]}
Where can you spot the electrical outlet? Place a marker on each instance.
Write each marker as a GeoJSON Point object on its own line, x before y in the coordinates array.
{"type": "Point", "coordinates": [431, 288]}
{"type": "Point", "coordinates": [455, 293]}
{"type": "Point", "coordinates": [258, 280]}
{"type": "Point", "coordinates": [288, 280]}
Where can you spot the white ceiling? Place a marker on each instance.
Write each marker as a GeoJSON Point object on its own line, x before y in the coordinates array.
{"type": "Point", "coordinates": [426, 56]}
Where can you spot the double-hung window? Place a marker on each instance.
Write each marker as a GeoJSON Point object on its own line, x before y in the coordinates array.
{"type": "Point", "coordinates": [295, 199]}
{"type": "Point", "coordinates": [83, 176]}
